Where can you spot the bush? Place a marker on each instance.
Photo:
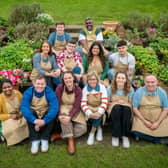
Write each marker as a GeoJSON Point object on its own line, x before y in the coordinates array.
{"type": "Point", "coordinates": [163, 75]}
{"type": "Point", "coordinates": [138, 20]}
{"type": "Point", "coordinates": [163, 22]}
{"type": "Point", "coordinates": [34, 32]}
{"type": "Point", "coordinates": [45, 19]}
{"type": "Point", "coordinates": [147, 58]}
{"type": "Point", "coordinates": [24, 13]}
{"type": "Point", "coordinates": [16, 55]}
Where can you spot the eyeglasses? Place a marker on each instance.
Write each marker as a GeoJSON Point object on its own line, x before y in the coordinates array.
{"type": "Point", "coordinates": [92, 79]}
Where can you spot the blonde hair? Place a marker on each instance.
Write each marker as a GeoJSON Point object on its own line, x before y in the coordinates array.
{"type": "Point", "coordinates": [93, 73]}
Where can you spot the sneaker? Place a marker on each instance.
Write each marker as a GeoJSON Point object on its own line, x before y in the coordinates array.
{"type": "Point", "coordinates": [125, 142]}
{"type": "Point", "coordinates": [115, 141]}
{"type": "Point", "coordinates": [99, 135]}
{"type": "Point", "coordinates": [90, 140]}
{"type": "Point", "coordinates": [44, 145]}
{"type": "Point", "coordinates": [35, 147]}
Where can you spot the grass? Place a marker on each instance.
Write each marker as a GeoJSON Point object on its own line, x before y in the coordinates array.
{"type": "Point", "coordinates": [101, 155]}
{"type": "Point", "coordinates": [74, 11]}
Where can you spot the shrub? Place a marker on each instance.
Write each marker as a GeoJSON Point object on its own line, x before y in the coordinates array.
{"type": "Point", "coordinates": [147, 58]}
{"type": "Point", "coordinates": [163, 22]}
{"type": "Point", "coordinates": [163, 75]}
{"type": "Point", "coordinates": [34, 32]}
{"type": "Point", "coordinates": [24, 13]}
{"type": "Point", "coordinates": [16, 55]}
{"type": "Point", "coordinates": [45, 18]}
{"type": "Point", "coordinates": [138, 20]}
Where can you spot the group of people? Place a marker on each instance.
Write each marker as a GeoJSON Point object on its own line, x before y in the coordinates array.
{"type": "Point", "coordinates": [73, 85]}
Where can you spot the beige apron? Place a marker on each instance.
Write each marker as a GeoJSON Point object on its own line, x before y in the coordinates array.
{"type": "Point", "coordinates": [98, 68]}
{"type": "Point", "coordinates": [67, 105]}
{"type": "Point", "coordinates": [69, 63]}
{"type": "Point", "coordinates": [59, 45]}
{"type": "Point", "coordinates": [150, 109]}
{"type": "Point", "coordinates": [94, 101]}
{"type": "Point", "coordinates": [39, 105]}
{"type": "Point", "coordinates": [14, 131]}
{"type": "Point", "coordinates": [46, 66]}
{"type": "Point", "coordinates": [90, 37]}
{"type": "Point", "coordinates": [116, 98]}
{"type": "Point", "coordinates": [121, 67]}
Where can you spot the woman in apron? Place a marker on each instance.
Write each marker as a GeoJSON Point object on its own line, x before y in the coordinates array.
{"type": "Point", "coordinates": [14, 126]}
{"type": "Point", "coordinates": [150, 106]}
{"type": "Point", "coordinates": [94, 104]}
{"type": "Point", "coordinates": [72, 119]}
{"type": "Point", "coordinates": [44, 64]}
{"type": "Point", "coordinates": [120, 94]}
{"type": "Point", "coordinates": [96, 61]}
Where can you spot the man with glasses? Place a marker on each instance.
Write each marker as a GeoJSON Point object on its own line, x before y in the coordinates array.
{"type": "Point", "coordinates": [70, 60]}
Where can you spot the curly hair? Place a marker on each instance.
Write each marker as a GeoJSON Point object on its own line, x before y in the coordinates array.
{"type": "Point", "coordinates": [101, 53]}
{"type": "Point", "coordinates": [127, 85]}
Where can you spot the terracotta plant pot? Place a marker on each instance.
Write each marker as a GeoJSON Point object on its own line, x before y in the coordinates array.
{"type": "Point", "coordinates": [110, 25]}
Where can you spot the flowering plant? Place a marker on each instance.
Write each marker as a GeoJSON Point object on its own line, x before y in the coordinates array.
{"type": "Point", "coordinates": [152, 34]}
{"type": "Point", "coordinates": [110, 39]}
{"type": "Point", "coordinates": [45, 18]}
{"type": "Point", "coordinates": [17, 76]}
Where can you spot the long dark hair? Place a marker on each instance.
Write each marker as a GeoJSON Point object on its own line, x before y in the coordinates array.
{"type": "Point", "coordinates": [101, 53]}
{"type": "Point", "coordinates": [127, 84]}
{"type": "Point", "coordinates": [50, 48]}
{"type": "Point", "coordinates": [67, 72]}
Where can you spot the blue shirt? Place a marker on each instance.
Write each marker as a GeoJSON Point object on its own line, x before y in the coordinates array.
{"type": "Point", "coordinates": [52, 37]}
{"type": "Point", "coordinates": [37, 60]}
{"type": "Point", "coordinates": [120, 92]}
{"type": "Point", "coordinates": [158, 91]}
{"type": "Point", "coordinates": [51, 99]}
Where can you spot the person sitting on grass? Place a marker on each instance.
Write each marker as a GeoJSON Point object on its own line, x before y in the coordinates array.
{"type": "Point", "coordinates": [150, 107]}
{"type": "Point", "coordinates": [14, 126]}
{"type": "Point", "coordinates": [120, 94]}
{"type": "Point", "coordinates": [71, 118]}
{"type": "Point", "coordinates": [39, 107]}
{"type": "Point", "coordinates": [94, 104]}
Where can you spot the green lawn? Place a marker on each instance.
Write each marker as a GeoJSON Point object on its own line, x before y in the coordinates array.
{"type": "Point", "coordinates": [140, 155]}
{"type": "Point", "coordinates": [74, 11]}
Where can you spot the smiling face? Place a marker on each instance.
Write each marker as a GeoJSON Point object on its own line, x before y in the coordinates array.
{"type": "Point", "coordinates": [151, 83]}
{"type": "Point", "coordinates": [92, 81]}
{"type": "Point", "coordinates": [60, 29]}
{"type": "Point", "coordinates": [121, 79]}
{"type": "Point", "coordinates": [122, 50]}
{"type": "Point", "coordinates": [89, 24]}
{"type": "Point", "coordinates": [68, 80]}
{"type": "Point", "coordinates": [39, 85]}
{"type": "Point", "coordinates": [70, 48]}
{"type": "Point", "coordinates": [95, 50]}
{"type": "Point", "coordinates": [7, 88]}
{"type": "Point", "coordinates": [45, 48]}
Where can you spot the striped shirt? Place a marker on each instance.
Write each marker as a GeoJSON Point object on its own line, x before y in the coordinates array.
{"type": "Point", "coordinates": [104, 100]}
